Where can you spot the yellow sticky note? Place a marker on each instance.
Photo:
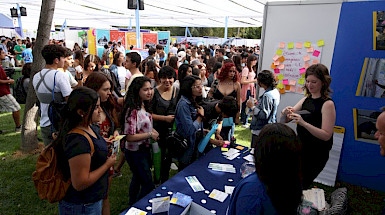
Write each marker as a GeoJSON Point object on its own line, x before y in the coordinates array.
{"type": "Point", "coordinates": [280, 77]}
{"type": "Point", "coordinates": [223, 149]}
{"type": "Point", "coordinates": [290, 46]}
{"type": "Point", "coordinates": [281, 45]}
{"type": "Point", "coordinates": [303, 75]}
{"type": "Point", "coordinates": [307, 44]}
{"type": "Point", "coordinates": [142, 213]}
{"type": "Point", "coordinates": [320, 43]}
{"type": "Point", "coordinates": [212, 195]}
{"type": "Point", "coordinates": [240, 147]}
{"type": "Point", "coordinates": [173, 200]}
{"type": "Point", "coordinates": [280, 86]}
{"type": "Point", "coordinates": [301, 81]}
{"type": "Point", "coordinates": [279, 52]}
{"type": "Point", "coordinates": [299, 45]}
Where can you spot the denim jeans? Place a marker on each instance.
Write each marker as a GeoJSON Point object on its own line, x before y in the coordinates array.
{"type": "Point", "coordinates": [141, 182]}
{"type": "Point", "coordinates": [46, 135]}
{"type": "Point", "coordinates": [69, 208]}
{"type": "Point", "coordinates": [244, 116]}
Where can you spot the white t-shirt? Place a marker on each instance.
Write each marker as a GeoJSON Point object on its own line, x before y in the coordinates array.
{"type": "Point", "coordinates": [122, 74]}
{"type": "Point", "coordinates": [174, 50]}
{"type": "Point", "coordinates": [62, 85]}
{"type": "Point", "coordinates": [121, 49]}
{"type": "Point", "coordinates": [71, 79]}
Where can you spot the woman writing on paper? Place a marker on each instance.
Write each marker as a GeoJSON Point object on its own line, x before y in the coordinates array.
{"type": "Point", "coordinates": [315, 116]}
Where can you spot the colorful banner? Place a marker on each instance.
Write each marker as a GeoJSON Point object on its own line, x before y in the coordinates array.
{"type": "Point", "coordinates": [164, 40]}
{"type": "Point", "coordinates": [131, 39]}
{"type": "Point", "coordinates": [150, 39]}
{"type": "Point", "coordinates": [118, 36]}
{"type": "Point", "coordinates": [83, 38]}
{"type": "Point", "coordinates": [102, 36]}
{"type": "Point", "coordinates": [91, 42]}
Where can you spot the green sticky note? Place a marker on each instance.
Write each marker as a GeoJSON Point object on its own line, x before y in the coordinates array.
{"type": "Point", "coordinates": [301, 81]}
{"type": "Point", "coordinates": [280, 77]}
{"type": "Point", "coordinates": [320, 43]}
{"type": "Point", "coordinates": [280, 86]}
{"type": "Point", "coordinates": [290, 46]}
{"type": "Point", "coordinates": [307, 44]}
{"type": "Point", "coordinates": [279, 52]}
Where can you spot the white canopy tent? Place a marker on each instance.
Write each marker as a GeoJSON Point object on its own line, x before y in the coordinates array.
{"type": "Point", "coordinates": [183, 13]}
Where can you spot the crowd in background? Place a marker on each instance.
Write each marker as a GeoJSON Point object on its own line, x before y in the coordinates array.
{"type": "Point", "coordinates": [184, 92]}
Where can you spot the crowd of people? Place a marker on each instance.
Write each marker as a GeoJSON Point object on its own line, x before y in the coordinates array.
{"type": "Point", "coordinates": [186, 92]}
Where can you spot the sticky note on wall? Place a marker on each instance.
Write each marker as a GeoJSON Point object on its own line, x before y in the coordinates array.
{"type": "Point", "coordinates": [285, 81]}
{"type": "Point", "coordinates": [302, 70]}
{"type": "Point", "coordinates": [275, 58]}
{"type": "Point", "coordinates": [306, 58]}
{"type": "Point", "coordinates": [280, 77]}
{"type": "Point", "coordinates": [299, 45]}
{"type": "Point", "coordinates": [310, 49]}
{"type": "Point", "coordinates": [301, 81]}
{"type": "Point", "coordinates": [320, 43]}
{"type": "Point", "coordinates": [280, 86]}
{"type": "Point", "coordinates": [281, 59]}
{"type": "Point", "coordinates": [281, 45]}
{"type": "Point", "coordinates": [316, 53]}
{"type": "Point", "coordinates": [281, 66]}
{"type": "Point", "coordinates": [276, 71]}
{"type": "Point", "coordinates": [292, 82]}
{"type": "Point", "coordinates": [307, 44]}
{"type": "Point", "coordinates": [279, 52]}
{"type": "Point", "coordinates": [290, 45]}
{"type": "Point", "coordinates": [272, 66]}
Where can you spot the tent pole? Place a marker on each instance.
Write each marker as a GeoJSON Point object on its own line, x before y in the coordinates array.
{"type": "Point", "coordinates": [130, 27]}
{"type": "Point", "coordinates": [19, 19]}
{"type": "Point", "coordinates": [261, 46]}
{"type": "Point", "coordinates": [137, 25]}
{"type": "Point", "coordinates": [226, 22]}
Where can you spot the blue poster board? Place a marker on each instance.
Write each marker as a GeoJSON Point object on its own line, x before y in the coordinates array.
{"type": "Point", "coordinates": [361, 162]}
{"type": "Point", "coordinates": [102, 38]}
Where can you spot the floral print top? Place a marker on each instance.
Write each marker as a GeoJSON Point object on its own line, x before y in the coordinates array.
{"type": "Point", "coordinates": [138, 122]}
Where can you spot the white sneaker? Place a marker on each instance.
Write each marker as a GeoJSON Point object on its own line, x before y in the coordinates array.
{"type": "Point", "coordinates": [245, 126]}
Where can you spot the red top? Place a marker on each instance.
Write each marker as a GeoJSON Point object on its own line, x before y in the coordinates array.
{"type": "Point", "coordinates": [4, 88]}
{"type": "Point", "coordinates": [105, 127]}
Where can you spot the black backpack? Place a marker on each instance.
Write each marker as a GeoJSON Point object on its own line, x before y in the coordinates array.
{"type": "Point", "coordinates": [19, 91]}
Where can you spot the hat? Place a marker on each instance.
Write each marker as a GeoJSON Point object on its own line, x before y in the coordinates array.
{"type": "Point", "coordinates": [195, 62]}
{"type": "Point", "coordinates": [181, 55]}
{"type": "Point", "coordinates": [3, 38]}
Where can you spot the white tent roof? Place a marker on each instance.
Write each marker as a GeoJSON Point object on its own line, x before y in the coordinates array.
{"type": "Point", "coordinates": [184, 13]}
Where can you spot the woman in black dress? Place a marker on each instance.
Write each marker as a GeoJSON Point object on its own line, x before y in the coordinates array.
{"type": "Point", "coordinates": [315, 115]}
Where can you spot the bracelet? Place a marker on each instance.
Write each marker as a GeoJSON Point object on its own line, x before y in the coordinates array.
{"type": "Point", "coordinates": [150, 133]}
{"type": "Point", "coordinates": [79, 79]}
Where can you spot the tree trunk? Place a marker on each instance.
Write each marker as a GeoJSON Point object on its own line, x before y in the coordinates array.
{"type": "Point", "coordinates": [29, 132]}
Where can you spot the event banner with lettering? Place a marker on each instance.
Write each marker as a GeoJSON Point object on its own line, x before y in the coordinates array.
{"type": "Point", "coordinates": [150, 39]}
{"type": "Point", "coordinates": [102, 38]}
{"type": "Point", "coordinates": [91, 41]}
{"type": "Point", "coordinates": [118, 36]}
{"type": "Point", "coordinates": [131, 39]}
{"type": "Point", "coordinates": [164, 40]}
{"type": "Point", "coordinates": [290, 62]}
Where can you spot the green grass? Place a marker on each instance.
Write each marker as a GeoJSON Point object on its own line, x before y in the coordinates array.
{"type": "Point", "coordinates": [18, 194]}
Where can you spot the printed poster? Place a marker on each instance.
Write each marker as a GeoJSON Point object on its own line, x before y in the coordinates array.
{"type": "Point", "coordinates": [102, 36]}
{"type": "Point", "coordinates": [83, 38]}
{"type": "Point", "coordinates": [164, 40]}
{"type": "Point", "coordinates": [150, 39]}
{"type": "Point", "coordinates": [91, 42]}
{"type": "Point", "coordinates": [131, 39]}
{"type": "Point", "coordinates": [118, 36]}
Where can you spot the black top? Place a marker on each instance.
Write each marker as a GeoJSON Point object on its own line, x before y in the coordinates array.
{"type": "Point", "coordinates": [163, 107]}
{"type": "Point", "coordinates": [219, 96]}
{"type": "Point", "coordinates": [77, 144]}
{"type": "Point", "coordinates": [312, 144]}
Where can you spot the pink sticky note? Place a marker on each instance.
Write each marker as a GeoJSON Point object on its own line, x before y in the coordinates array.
{"type": "Point", "coordinates": [292, 82]}
{"type": "Point", "coordinates": [281, 45]}
{"type": "Point", "coordinates": [299, 90]}
{"type": "Point", "coordinates": [276, 71]}
{"type": "Point", "coordinates": [306, 58]}
{"type": "Point", "coordinates": [281, 66]}
{"type": "Point", "coordinates": [306, 65]}
{"type": "Point", "coordinates": [316, 53]}
{"type": "Point", "coordinates": [276, 62]}
{"type": "Point", "coordinates": [299, 45]}
{"type": "Point", "coordinates": [315, 61]}
{"type": "Point", "coordinates": [311, 49]}
{"type": "Point", "coordinates": [275, 58]}
{"type": "Point", "coordinates": [302, 70]}
{"type": "Point", "coordinates": [292, 89]}
{"type": "Point", "coordinates": [285, 81]}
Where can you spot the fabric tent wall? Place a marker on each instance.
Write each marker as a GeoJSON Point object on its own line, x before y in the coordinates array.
{"type": "Point", "coordinates": [361, 162]}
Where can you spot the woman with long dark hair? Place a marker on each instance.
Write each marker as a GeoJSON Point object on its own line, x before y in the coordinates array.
{"type": "Point", "coordinates": [120, 71]}
{"type": "Point", "coordinates": [136, 124]}
{"type": "Point", "coordinates": [88, 172]}
{"type": "Point", "coordinates": [151, 72]}
{"type": "Point", "coordinates": [183, 71]}
{"type": "Point", "coordinates": [163, 113]}
{"type": "Point", "coordinates": [275, 187]}
{"type": "Point", "coordinates": [316, 127]}
{"type": "Point", "coordinates": [189, 116]}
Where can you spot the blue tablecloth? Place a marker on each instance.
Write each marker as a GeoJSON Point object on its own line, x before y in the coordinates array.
{"type": "Point", "coordinates": [208, 178]}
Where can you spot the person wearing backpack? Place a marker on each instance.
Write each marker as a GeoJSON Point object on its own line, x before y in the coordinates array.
{"type": "Point", "coordinates": [22, 83]}
{"type": "Point", "coordinates": [47, 80]}
{"type": "Point", "coordinates": [87, 171]}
